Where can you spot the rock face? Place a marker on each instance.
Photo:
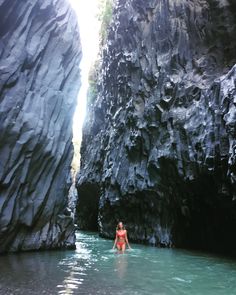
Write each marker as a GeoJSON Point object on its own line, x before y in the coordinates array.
{"type": "Point", "coordinates": [39, 67]}
{"type": "Point", "coordinates": [159, 145]}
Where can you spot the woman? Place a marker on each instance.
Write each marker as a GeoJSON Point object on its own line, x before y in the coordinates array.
{"type": "Point", "coordinates": [121, 238]}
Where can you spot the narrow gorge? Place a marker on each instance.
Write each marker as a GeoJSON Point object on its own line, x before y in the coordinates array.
{"type": "Point", "coordinates": [159, 140]}
{"type": "Point", "coordinates": [157, 154]}
{"type": "Point", "coordinates": [40, 54]}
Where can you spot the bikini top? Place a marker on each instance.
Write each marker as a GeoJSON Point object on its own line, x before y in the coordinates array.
{"type": "Point", "coordinates": [120, 235]}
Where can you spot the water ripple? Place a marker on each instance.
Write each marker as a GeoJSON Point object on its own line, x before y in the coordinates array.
{"type": "Point", "coordinates": [95, 269]}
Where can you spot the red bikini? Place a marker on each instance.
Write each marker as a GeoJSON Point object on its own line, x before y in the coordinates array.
{"type": "Point", "coordinates": [120, 236]}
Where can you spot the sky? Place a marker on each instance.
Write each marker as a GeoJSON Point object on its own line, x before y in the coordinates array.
{"type": "Point", "coordinates": [86, 11]}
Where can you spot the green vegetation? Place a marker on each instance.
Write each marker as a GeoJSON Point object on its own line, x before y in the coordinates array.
{"type": "Point", "coordinates": [76, 159]}
{"type": "Point", "coordinates": [105, 17]}
{"type": "Point", "coordinates": [93, 80]}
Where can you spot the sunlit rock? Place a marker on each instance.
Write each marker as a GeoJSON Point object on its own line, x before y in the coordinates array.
{"type": "Point", "coordinates": [39, 68]}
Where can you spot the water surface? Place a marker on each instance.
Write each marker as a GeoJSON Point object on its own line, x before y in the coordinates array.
{"type": "Point", "coordinates": [95, 269]}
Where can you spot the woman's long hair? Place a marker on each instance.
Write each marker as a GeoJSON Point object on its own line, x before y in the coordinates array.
{"type": "Point", "coordinates": [117, 227]}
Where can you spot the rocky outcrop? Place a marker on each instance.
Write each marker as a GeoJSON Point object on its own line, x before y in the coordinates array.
{"type": "Point", "coordinates": [159, 149]}
{"type": "Point", "coordinates": [39, 66]}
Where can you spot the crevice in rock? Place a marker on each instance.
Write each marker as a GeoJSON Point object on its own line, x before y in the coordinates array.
{"type": "Point", "coordinates": [87, 206]}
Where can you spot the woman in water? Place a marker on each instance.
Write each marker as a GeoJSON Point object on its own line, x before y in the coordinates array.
{"type": "Point", "coordinates": [121, 238]}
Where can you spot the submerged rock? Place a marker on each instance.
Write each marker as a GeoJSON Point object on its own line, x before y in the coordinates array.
{"type": "Point", "coordinates": [159, 149]}
{"type": "Point", "coordinates": [40, 54]}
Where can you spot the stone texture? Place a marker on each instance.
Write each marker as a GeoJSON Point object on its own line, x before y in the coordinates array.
{"type": "Point", "coordinates": [40, 54]}
{"type": "Point", "coordinates": [159, 149]}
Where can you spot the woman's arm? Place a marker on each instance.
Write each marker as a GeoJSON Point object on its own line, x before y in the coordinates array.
{"type": "Point", "coordinates": [115, 242]}
{"type": "Point", "coordinates": [126, 239]}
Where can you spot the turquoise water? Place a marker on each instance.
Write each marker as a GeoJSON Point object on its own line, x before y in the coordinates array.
{"type": "Point", "coordinates": [95, 269]}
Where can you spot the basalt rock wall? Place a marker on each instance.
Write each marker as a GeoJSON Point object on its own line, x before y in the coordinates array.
{"type": "Point", "coordinates": [159, 149]}
{"type": "Point", "coordinates": [39, 79]}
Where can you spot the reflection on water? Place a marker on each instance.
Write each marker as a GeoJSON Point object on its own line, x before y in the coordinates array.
{"type": "Point", "coordinates": [76, 267]}
{"type": "Point", "coordinates": [95, 269]}
{"type": "Point", "coordinates": [121, 263]}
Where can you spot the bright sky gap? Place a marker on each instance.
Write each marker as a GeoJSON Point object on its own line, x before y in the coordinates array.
{"type": "Point", "coordinates": [86, 11]}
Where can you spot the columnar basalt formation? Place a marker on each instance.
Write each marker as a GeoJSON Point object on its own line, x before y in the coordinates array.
{"type": "Point", "coordinates": [40, 54]}
{"type": "Point", "coordinates": [159, 149]}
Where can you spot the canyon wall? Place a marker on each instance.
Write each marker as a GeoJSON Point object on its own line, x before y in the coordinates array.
{"type": "Point", "coordinates": [40, 53]}
{"type": "Point", "coordinates": [159, 145]}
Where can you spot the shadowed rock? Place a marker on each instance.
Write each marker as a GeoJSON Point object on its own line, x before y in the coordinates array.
{"type": "Point", "coordinates": [159, 140]}
{"type": "Point", "coordinates": [39, 68]}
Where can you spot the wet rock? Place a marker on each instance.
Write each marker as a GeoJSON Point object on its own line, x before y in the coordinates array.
{"type": "Point", "coordinates": [159, 140]}
{"type": "Point", "coordinates": [39, 67]}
